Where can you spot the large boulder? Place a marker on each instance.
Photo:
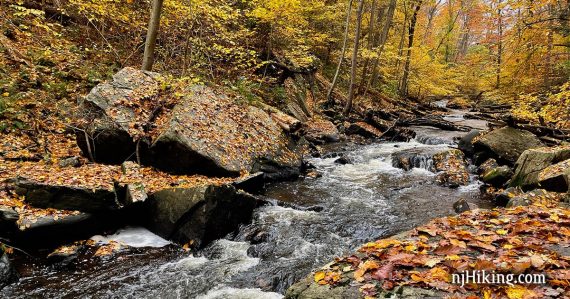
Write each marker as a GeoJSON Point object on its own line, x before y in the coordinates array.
{"type": "Point", "coordinates": [533, 162]}
{"type": "Point", "coordinates": [506, 144]}
{"type": "Point", "coordinates": [198, 215]}
{"type": "Point", "coordinates": [196, 130]}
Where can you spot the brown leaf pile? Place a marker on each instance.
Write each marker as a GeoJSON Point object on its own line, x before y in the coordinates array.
{"type": "Point", "coordinates": [510, 241]}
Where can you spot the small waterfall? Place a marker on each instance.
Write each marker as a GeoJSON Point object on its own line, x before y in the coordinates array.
{"type": "Point", "coordinates": [430, 140]}
{"type": "Point", "coordinates": [408, 161]}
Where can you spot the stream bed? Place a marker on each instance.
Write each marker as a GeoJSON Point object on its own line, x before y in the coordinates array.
{"type": "Point", "coordinates": [308, 223]}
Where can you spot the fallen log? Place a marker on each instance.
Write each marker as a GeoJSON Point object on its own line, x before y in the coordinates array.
{"type": "Point", "coordinates": [436, 122]}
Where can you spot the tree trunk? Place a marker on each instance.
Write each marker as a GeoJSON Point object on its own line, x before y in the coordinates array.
{"type": "Point", "coordinates": [351, 88]}
{"type": "Point", "coordinates": [382, 42]}
{"type": "Point", "coordinates": [499, 43]}
{"type": "Point", "coordinates": [372, 41]}
{"type": "Point", "coordinates": [153, 25]}
{"type": "Point", "coordinates": [343, 52]}
{"type": "Point", "coordinates": [404, 84]}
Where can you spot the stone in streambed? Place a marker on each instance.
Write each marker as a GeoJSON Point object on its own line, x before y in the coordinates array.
{"type": "Point", "coordinates": [321, 131]}
{"type": "Point", "coordinates": [253, 183]}
{"type": "Point", "coordinates": [461, 206]}
{"type": "Point", "coordinates": [452, 168]}
{"type": "Point", "coordinates": [487, 165]}
{"type": "Point", "coordinates": [40, 229]}
{"type": "Point", "coordinates": [466, 142]}
{"type": "Point", "coordinates": [8, 274]}
{"type": "Point", "coordinates": [556, 177]}
{"type": "Point", "coordinates": [539, 196]}
{"type": "Point", "coordinates": [198, 215]}
{"type": "Point", "coordinates": [506, 144]}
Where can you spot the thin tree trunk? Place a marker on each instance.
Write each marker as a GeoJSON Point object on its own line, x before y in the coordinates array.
{"type": "Point", "coordinates": [153, 25]}
{"type": "Point", "coordinates": [499, 43]}
{"type": "Point", "coordinates": [372, 41]}
{"type": "Point", "coordinates": [343, 52]}
{"type": "Point", "coordinates": [404, 84]}
{"type": "Point", "coordinates": [351, 88]}
{"type": "Point", "coordinates": [382, 42]}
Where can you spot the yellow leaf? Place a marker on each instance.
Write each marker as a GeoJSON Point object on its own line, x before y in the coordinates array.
{"type": "Point", "coordinates": [6, 94]}
{"type": "Point", "coordinates": [502, 232]}
{"type": "Point", "coordinates": [319, 276]}
{"type": "Point", "coordinates": [519, 292]}
{"type": "Point", "coordinates": [454, 257]}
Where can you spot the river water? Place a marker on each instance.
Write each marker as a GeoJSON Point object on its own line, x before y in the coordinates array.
{"type": "Point", "coordinates": [309, 223]}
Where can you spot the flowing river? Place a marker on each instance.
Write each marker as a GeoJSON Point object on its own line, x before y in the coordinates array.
{"type": "Point", "coordinates": [308, 223]}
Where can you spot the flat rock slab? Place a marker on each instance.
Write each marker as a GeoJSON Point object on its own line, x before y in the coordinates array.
{"type": "Point", "coordinates": [64, 197]}
{"type": "Point", "coordinates": [47, 228]}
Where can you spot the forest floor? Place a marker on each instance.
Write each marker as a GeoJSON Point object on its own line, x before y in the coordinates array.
{"type": "Point", "coordinates": [529, 240]}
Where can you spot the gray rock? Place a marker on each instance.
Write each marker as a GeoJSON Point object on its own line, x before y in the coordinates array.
{"type": "Point", "coordinates": [487, 165]}
{"type": "Point", "coordinates": [497, 176]}
{"type": "Point", "coordinates": [466, 142]}
{"type": "Point", "coordinates": [62, 197]}
{"type": "Point", "coordinates": [452, 168]}
{"type": "Point", "coordinates": [530, 197]}
{"type": "Point", "coordinates": [416, 158]}
{"type": "Point", "coordinates": [110, 108]}
{"type": "Point", "coordinates": [253, 183]}
{"type": "Point", "coordinates": [45, 230]}
{"type": "Point", "coordinates": [461, 206]}
{"type": "Point", "coordinates": [308, 289]}
{"type": "Point", "coordinates": [70, 162]}
{"type": "Point", "coordinates": [556, 177]}
{"type": "Point", "coordinates": [532, 162]}
{"type": "Point", "coordinates": [506, 144]}
{"type": "Point", "coordinates": [205, 132]}
{"type": "Point", "coordinates": [198, 215]}
{"type": "Point", "coordinates": [8, 274]}
{"type": "Point", "coordinates": [343, 160]}
{"type": "Point", "coordinates": [502, 199]}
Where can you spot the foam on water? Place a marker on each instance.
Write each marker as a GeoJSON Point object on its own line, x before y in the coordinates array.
{"type": "Point", "coordinates": [133, 237]}
{"type": "Point", "coordinates": [234, 293]}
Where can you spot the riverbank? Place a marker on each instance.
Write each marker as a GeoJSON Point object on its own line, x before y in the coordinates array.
{"type": "Point", "coordinates": [530, 236]}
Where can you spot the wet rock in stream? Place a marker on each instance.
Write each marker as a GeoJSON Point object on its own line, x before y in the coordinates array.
{"type": "Point", "coordinates": [198, 215]}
